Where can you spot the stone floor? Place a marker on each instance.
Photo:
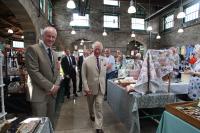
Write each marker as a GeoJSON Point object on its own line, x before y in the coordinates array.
{"type": "Point", "coordinates": [73, 117]}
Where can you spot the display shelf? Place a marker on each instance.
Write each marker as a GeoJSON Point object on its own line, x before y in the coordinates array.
{"type": "Point", "coordinates": [3, 113]}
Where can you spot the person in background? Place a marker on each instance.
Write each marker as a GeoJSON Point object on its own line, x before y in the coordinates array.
{"type": "Point", "coordinates": [68, 64]}
{"type": "Point", "coordinates": [80, 62]}
{"type": "Point", "coordinates": [110, 73]}
{"type": "Point", "coordinates": [43, 75]}
{"type": "Point", "coordinates": [194, 84]}
{"type": "Point", "coordinates": [94, 77]}
{"type": "Point", "coordinates": [192, 59]}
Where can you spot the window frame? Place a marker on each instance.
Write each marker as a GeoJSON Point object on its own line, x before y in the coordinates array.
{"type": "Point", "coordinates": [132, 24]}
{"type": "Point", "coordinates": [113, 15]}
{"type": "Point", "coordinates": [42, 4]}
{"type": "Point", "coordinates": [50, 12]}
{"type": "Point", "coordinates": [79, 26]}
{"type": "Point", "coordinates": [111, 4]}
{"type": "Point", "coordinates": [188, 6]}
{"type": "Point", "coordinates": [164, 22]}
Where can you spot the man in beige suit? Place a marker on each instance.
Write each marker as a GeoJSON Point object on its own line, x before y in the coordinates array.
{"type": "Point", "coordinates": [94, 77]}
{"type": "Point", "coordinates": [43, 80]}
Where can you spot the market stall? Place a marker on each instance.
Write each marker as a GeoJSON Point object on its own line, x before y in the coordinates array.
{"type": "Point", "coordinates": [125, 105]}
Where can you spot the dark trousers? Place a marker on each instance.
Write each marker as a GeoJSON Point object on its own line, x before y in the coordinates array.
{"type": "Point", "coordinates": [80, 81]}
{"type": "Point", "coordinates": [66, 86]}
{"type": "Point", "coordinates": [73, 77]}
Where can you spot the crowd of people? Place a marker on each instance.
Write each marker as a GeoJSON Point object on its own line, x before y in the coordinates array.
{"type": "Point", "coordinates": [47, 74]}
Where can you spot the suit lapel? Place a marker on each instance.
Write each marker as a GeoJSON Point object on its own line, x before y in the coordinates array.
{"type": "Point", "coordinates": [47, 57]}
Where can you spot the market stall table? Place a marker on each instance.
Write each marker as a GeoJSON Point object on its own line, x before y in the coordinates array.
{"type": "Point", "coordinates": [125, 105]}
{"type": "Point", "coordinates": [169, 123]}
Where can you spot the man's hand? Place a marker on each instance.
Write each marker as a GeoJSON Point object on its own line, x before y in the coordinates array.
{"type": "Point", "coordinates": [87, 92]}
{"type": "Point", "coordinates": [109, 66]}
{"type": "Point", "coordinates": [54, 90]}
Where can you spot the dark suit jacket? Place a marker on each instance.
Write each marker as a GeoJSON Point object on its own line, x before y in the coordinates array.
{"type": "Point", "coordinates": [80, 62]}
{"type": "Point", "coordinates": [67, 68]}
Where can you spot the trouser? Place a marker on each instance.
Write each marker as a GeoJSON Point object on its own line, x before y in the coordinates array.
{"type": "Point", "coordinates": [66, 82]}
{"type": "Point", "coordinates": [73, 77]}
{"type": "Point", "coordinates": [95, 105]}
{"type": "Point", "coordinates": [80, 81]}
{"type": "Point", "coordinates": [44, 109]}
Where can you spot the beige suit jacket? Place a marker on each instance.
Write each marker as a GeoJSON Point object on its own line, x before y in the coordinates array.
{"type": "Point", "coordinates": [93, 78]}
{"type": "Point", "coordinates": [42, 74]}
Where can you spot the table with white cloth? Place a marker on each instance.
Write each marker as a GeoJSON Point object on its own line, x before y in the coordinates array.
{"type": "Point", "coordinates": [178, 88]}
{"type": "Point", "coordinates": [125, 105]}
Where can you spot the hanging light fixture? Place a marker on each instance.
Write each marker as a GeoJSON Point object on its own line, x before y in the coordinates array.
{"type": "Point", "coordinates": [131, 8]}
{"type": "Point", "coordinates": [71, 4]}
{"type": "Point", "coordinates": [133, 34]}
{"type": "Point", "coordinates": [180, 30]}
{"type": "Point", "coordinates": [22, 37]}
{"type": "Point", "coordinates": [158, 36]}
{"type": "Point", "coordinates": [10, 31]}
{"type": "Point", "coordinates": [104, 33]}
{"type": "Point", "coordinates": [181, 14]}
{"type": "Point", "coordinates": [73, 32]}
{"type": "Point", "coordinates": [149, 28]}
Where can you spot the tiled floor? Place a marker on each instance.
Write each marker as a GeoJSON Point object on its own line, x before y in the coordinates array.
{"type": "Point", "coordinates": [73, 117]}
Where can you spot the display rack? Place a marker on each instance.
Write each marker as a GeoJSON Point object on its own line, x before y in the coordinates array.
{"type": "Point", "coordinates": [3, 113]}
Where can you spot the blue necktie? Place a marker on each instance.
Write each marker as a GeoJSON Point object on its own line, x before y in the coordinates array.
{"type": "Point", "coordinates": [98, 66]}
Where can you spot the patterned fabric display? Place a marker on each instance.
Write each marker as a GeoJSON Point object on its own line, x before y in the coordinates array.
{"type": "Point", "coordinates": [161, 63]}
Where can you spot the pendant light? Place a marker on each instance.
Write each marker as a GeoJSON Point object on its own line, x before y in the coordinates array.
{"type": "Point", "coordinates": [133, 34]}
{"type": "Point", "coordinates": [149, 28]}
{"type": "Point", "coordinates": [73, 32]}
{"type": "Point", "coordinates": [104, 33]}
{"type": "Point", "coordinates": [10, 31]}
{"type": "Point", "coordinates": [180, 30]}
{"type": "Point", "coordinates": [131, 8]}
{"type": "Point", "coordinates": [181, 14]}
{"type": "Point", "coordinates": [158, 36]}
{"type": "Point", "coordinates": [71, 4]}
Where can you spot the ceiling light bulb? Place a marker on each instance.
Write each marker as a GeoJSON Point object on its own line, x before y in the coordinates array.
{"type": "Point", "coordinates": [132, 35]}
{"type": "Point", "coordinates": [22, 37]}
{"type": "Point", "coordinates": [158, 36]}
{"type": "Point", "coordinates": [180, 30]}
{"type": "Point", "coordinates": [131, 8]}
{"type": "Point", "coordinates": [71, 4]}
{"type": "Point", "coordinates": [10, 31]}
{"type": "Point", "coordinates": [73, 32]}
{"type": "Point", "coordinates": [149, 28]}
{"type": "Point", "coordinates": [72, 23]}
{"type": "Point", "coordinates": [104, 33]}
{"type": "Point", "coordinates": [82, 41]}
{"type": "Point", "coordinates": [181, 15]}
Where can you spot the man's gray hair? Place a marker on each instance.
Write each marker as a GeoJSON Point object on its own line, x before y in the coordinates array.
{"type": "Point", "coordinates": [48, 28]}
{"type": "Point", "coordinates": [97, 43]}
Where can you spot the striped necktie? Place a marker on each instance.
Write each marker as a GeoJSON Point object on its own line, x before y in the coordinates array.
{"type": "Point", "coordinates": [98, 65]}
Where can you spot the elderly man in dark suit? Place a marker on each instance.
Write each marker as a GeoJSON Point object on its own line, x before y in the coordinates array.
{"type": "Point", "coordinates": [43, 75]}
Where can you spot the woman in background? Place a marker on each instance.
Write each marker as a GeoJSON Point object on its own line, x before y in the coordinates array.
{"type": "Point", "coordinates": [194, 84]}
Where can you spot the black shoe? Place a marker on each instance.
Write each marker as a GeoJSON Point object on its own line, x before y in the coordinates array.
{"type": "Point", "coordinates": [92, 118]}
{"type": "Point", "coordinates": [99, 131]}
{"type": "Point", "coordinates": [68, 97]}
{"type": "Point", "coordinates": [75, 95]}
